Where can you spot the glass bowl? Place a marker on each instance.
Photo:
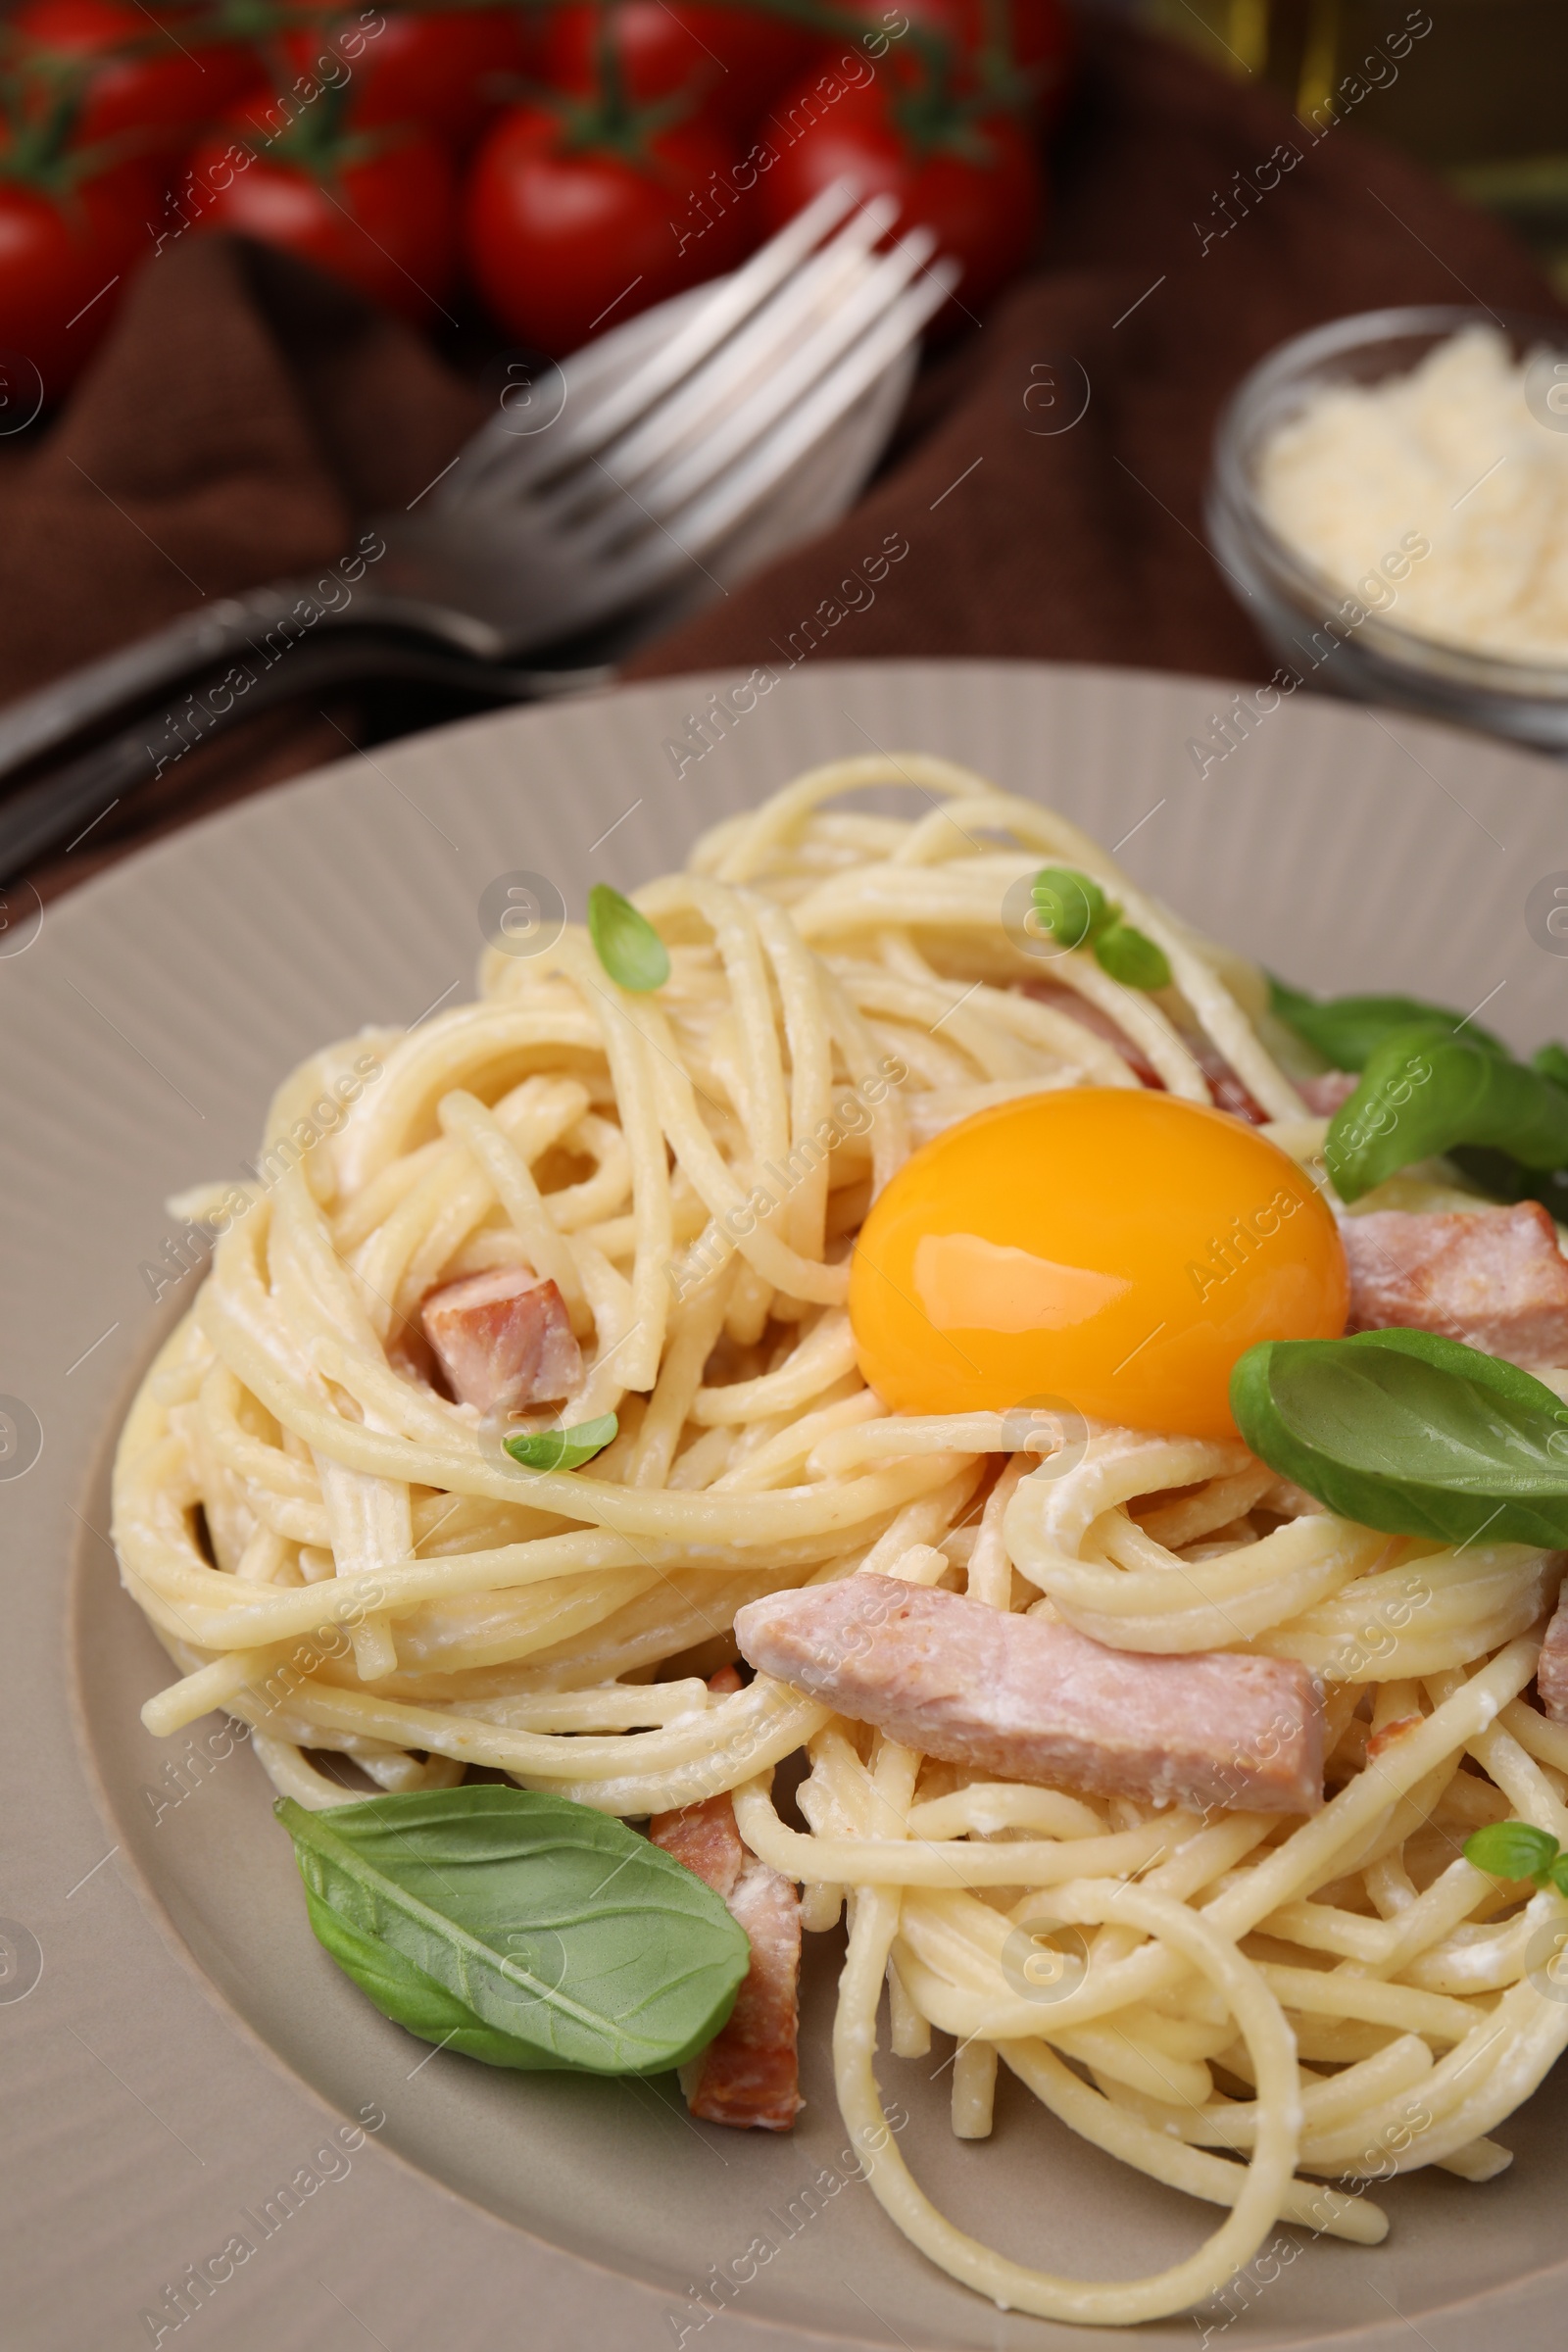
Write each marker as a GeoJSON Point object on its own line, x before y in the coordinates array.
{"type": "Point", "coordinates": [1311, 621]}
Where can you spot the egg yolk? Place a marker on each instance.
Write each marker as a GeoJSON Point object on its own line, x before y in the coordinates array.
{"type": "Point", "coordinates": [1108, 1248]}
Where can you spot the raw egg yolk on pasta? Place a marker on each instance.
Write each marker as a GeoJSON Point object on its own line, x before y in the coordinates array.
{"type": "Point", "coordinates": [1108, 1248]}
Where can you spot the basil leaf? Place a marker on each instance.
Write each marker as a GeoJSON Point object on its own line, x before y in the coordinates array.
{"type": "Point", "coordinates": [1557, 1874]}
{"type": "Point", "coordinates": [1552, 1063]}
{"type": "Point", "coordinates": [544, 1923]}
{"type": "Point", "coordinates": [1132, 959]}
{"type": "Point", "coordinates": [1075, 910]}
{"type": "Point", "coordinates": [1512, 1849]}
{"type": "Point", "coordinates": [1424, 1090]}
{"type": "Point", "coordinates": [625, 942]}
{"type": "Point", "coordinates": [1348, 1030]}
{"type": "Point", "coordinates": [1070, 907]}
{"type": "Point", "coordinates": [416, 2001]}
{"type": "Point", "coordinates": [1411, 1433]}
{"type": "Point", "coordinates": [561, 1448]}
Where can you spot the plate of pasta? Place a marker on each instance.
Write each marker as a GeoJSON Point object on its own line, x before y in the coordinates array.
{"type": "Point", "coordinates": [837, 1555]}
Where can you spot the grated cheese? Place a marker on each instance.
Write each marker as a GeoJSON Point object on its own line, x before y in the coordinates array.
{"type": "Point", "coordinates": [1450, 454]}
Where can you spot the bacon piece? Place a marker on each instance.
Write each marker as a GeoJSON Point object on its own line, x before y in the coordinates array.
{"type": "Point", "coordinates": [503, 1339]}
{"type": "Point", "coordinates": [749, 2075]}
{"type": "Point", "coordinates": [1030, 1698]}
{"type": "Point", "coordinates": [1228, 1090]}
{"type": "Point", "coordinates": [1494, 1277]}
{"type": "Point", "coordinates": [706, 1839]}
{"type": "Point", "coordinates": [1551, 1667]}
{"type": "Point", "coordinates": [1325, 1092]}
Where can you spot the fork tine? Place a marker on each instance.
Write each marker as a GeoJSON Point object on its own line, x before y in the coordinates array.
{"type": "Point", "coordinates": [663, 545]}
{"type": "Point", "coordinates": [623, 404]}
{"type": "Point", "coordinates": [705, 520]}
{"type": "Point", "coordinates": [819, 291]}
{"type": "Point", "coordinates": [745, 291]}
{"type": "Point", "coordinates": [793, 379]}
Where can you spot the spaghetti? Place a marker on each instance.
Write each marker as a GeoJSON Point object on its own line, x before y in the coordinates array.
{"type": "Point", "coordinates": [1240, 2006]}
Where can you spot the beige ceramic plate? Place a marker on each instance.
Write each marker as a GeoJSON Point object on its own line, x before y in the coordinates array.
{"type": "Point", "coordinates": [174, 2050]}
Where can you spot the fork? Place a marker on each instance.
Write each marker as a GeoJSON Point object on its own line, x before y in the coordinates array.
{"type": "Point", "coordinates": [652, 474]}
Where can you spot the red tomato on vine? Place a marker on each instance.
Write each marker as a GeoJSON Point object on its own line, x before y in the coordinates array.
{"type": "Point", "coordinates": [973, 179]}
{"type": "Point", "coordinates": [446, 70]}
{"type": "Point", "coordinates": [568, 229]}
{"type": "Point", "coordinates": [728, 61]}
{"type": "Point", "coordinates": [375, 208]}
{"type": "Point", "coordinates": [72, 230]}
{"type": "Point", "coordinates": [142, 85]}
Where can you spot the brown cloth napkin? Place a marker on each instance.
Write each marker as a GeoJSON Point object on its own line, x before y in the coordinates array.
{"type": "Point", "coordinates": [244, 414]}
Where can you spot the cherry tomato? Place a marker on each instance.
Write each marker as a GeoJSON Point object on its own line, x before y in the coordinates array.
{"type": "Point", "coordinates": [1023, 51]}
{"type": "Point", "coordinates": [731, 60]}
{"type": "Point", "coordinates": [563, 238]}
{"type": "Point", "coordinates": [980, 190]}
{"type": "Point", "coordinates": [380, 217]}
{"type": "Point", "coordinates": [431, 70]}
{"type": "Point", "coordinates": [60, 256]}
{"type": "Point", "coordinates": [152, 87]}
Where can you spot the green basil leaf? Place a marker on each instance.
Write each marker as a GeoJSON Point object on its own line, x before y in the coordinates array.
{"type": "Point", "coordinates": [1070, 906]}
{"type": "Point", "coordinates": [1557, 1874]}
{"type": "Point", "coordinates": [1423, 1091]}
{"type": "Point", "coordinates": [1552, 1063]}
{"type": "Point", "coordinates": [416, 2001]}
{"type": "Point", "coordinates": [544, 1922]}
{"type": "Point", "coordinates": [1511, 1849]}
{"type": "Point", "coordinates": [625, 942]}
{"type": "Point", "coordinates": [1348, 1030]}
{"type": "Point", "coordinates": [1412, 1432]}
{"type": "Point", "coordinates": [561, 1448]}
{"type": "Point", "coordinates": [1132, 959]}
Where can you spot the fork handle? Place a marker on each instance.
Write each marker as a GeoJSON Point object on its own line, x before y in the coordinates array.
{"type": "Point", "coordinates": [41, 723]}
{"type": "Point", "coordinates": [47, 815]}
{"type": "Point", "coordinates": [252, 632]}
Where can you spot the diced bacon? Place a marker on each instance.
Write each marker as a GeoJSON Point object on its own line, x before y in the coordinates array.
{"type": "Point", "coordinates": [1494, 1278]}
{"type": "Point", "coordinates": [1030, 1698]}
{"type": "Point", "coordinates": [705, 1838]}
{"type": "Point", "coordinates": [749, 2075]}
{"type": "Point", "coordinates": [1230, 1093]}
{"type": "Point", "coordinates": [1551, 1667]}
{"type": "Point", "coordinates": [503, 1339]}
{"type": "Point", "coordinates": [1325, 1092]}
{"type": "Point", "coordinates": [1228, 1090]}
